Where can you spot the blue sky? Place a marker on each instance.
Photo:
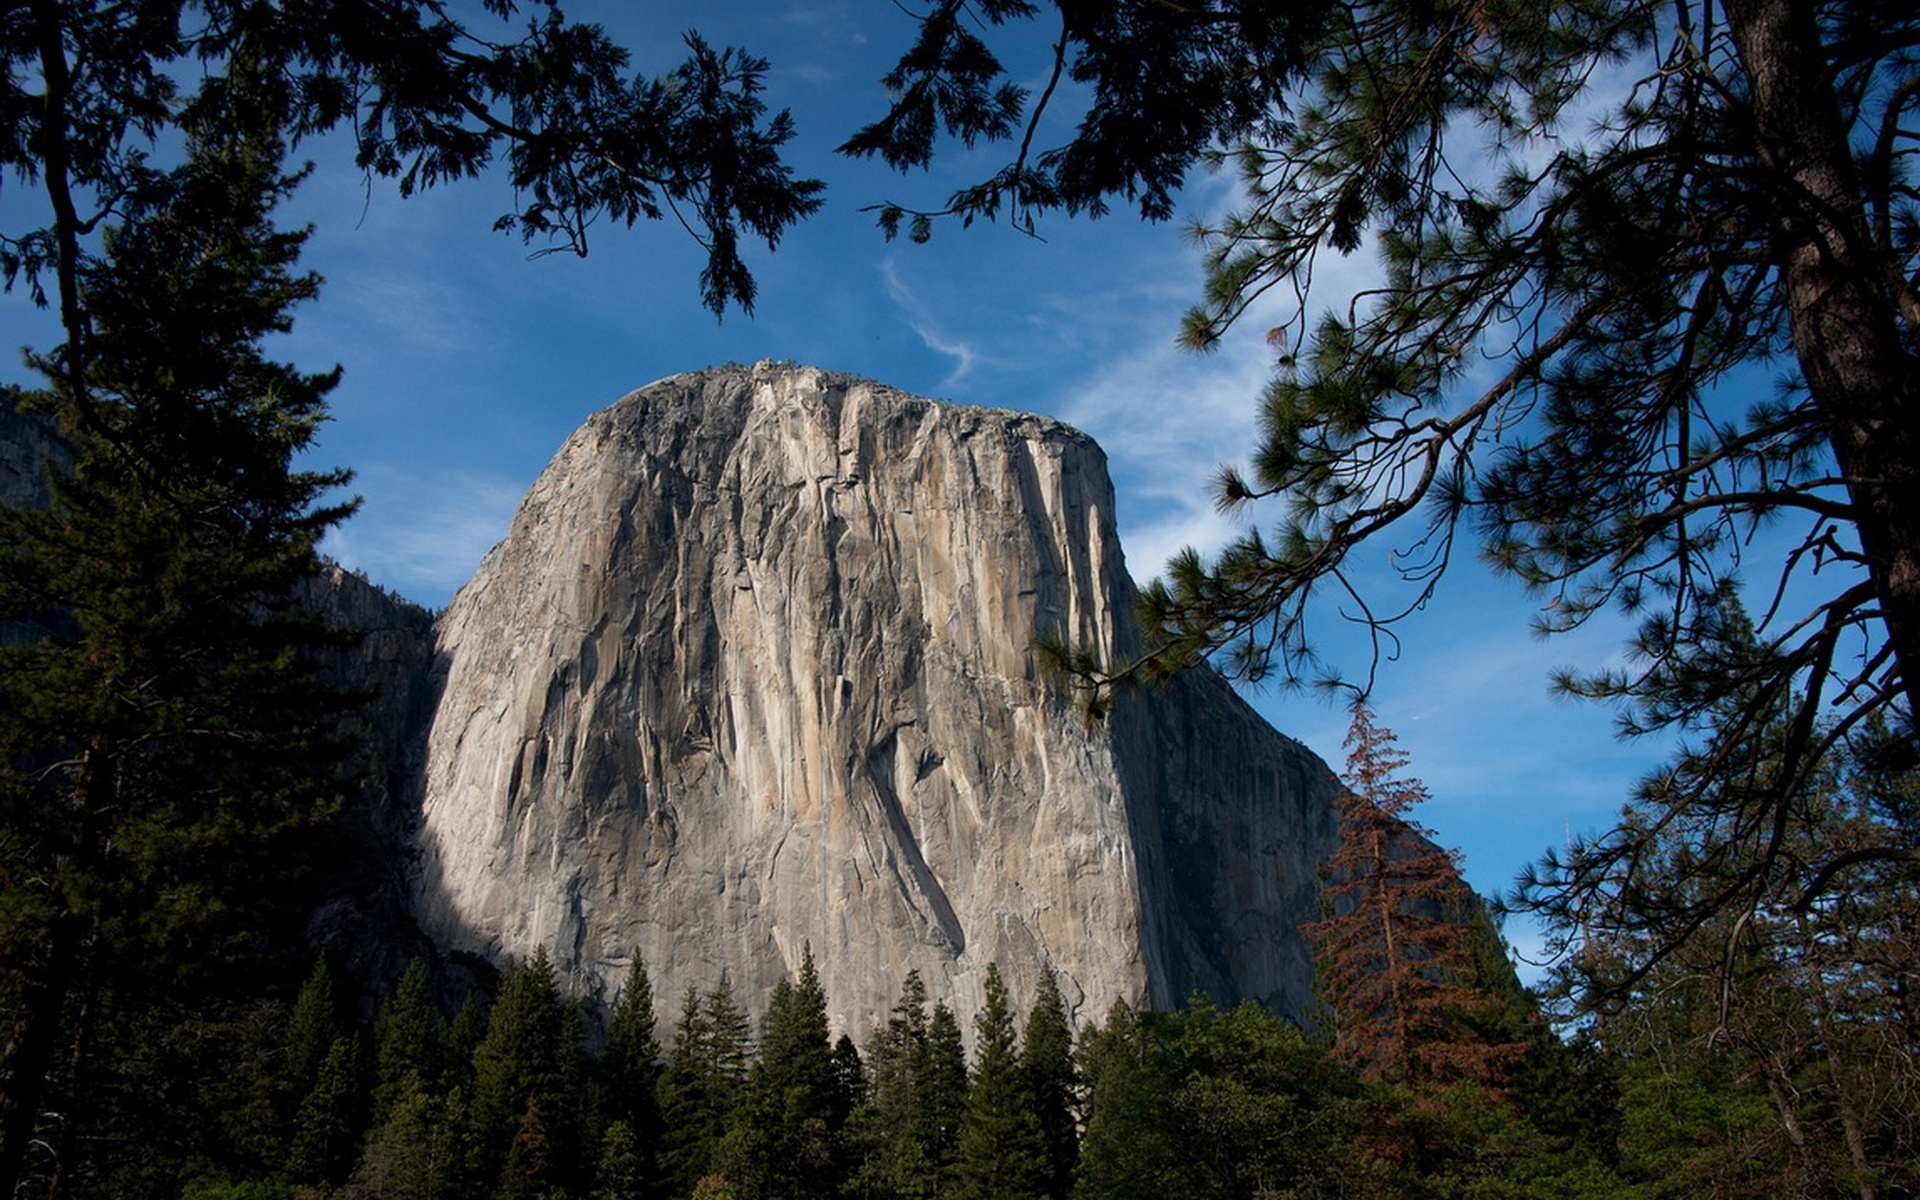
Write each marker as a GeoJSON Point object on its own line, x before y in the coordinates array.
{"type": "Point", "coordinates": [467, 364]}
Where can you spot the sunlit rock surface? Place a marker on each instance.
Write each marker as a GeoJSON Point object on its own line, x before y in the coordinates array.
{"type": "Point", "coordinates": [753, 670]}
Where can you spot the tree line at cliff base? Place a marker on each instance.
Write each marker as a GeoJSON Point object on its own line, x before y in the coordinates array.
{"type": "Point", "coordinates": [1426, 1071]}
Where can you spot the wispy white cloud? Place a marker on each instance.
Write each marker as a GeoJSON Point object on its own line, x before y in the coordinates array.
{"type": "Point", "coordinates": [926, 327]}
{"type": "Point", "coordinates": [835, 24]}
{"type": "Point", "coordinates": [1170, 418]}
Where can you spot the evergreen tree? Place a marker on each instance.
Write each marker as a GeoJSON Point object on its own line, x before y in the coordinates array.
{"type": "Point", "coordinates": [244, 1089]}
{"type": "Point", "coordinates": [459, 1042]}
{"type": "Point", "coordinates": [783, 1140]}
{"type": "Point", "coordinates": [1127, 1153]}
{"type": "Point", "coordinates": [314, 1027]}
{"type": "Point", "coordinates": [628, 1073]}
{"type": "Point", "coordinates": [423, 1151]}
{"type": "Point", "coordinates": [164, 744]}
{"type": "Point", "coordinates": [1046, 1059]}
{"type": "Point", "coordinates": [526, 1081]}
{"type": "Point", "coordinates": [943, 1088]}
{"type": "Point", "coordinates": [623, 1171]}
{"type": "Point", "coordinates": [332, 1117]}
{"type": "Point", "coordinates": [1002, 1151]}
{"type": "Point", "coordinates": [406, 1034]}
{"type": "Point", "coordinates": [729, 1040]}
{"type": "Point", "coordinates": [885, 1132]}
{"type": "Point", "coordinates": [1394, 968]}
{"type": "Point", "coordinates": [1210, 1105]}
{"type": "Point", "coordinates": [795, 1063]}
{"type": "Point", "coordinates": [703, 1084]}
{"type": "Point", "coordinates": [897, 1052]}
{"type": "Point", "coordinates": [1765, 1049]}
{"type": "Point", "coordinates": [690, 1111]}
{"type": "Point", "coordinates": [531, 1172]}
{"type": "Point", "coordinates": [849, 1080]}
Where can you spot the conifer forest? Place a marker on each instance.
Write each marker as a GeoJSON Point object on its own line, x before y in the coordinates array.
{"type": "Point", "coordinates": [1428, 1071]}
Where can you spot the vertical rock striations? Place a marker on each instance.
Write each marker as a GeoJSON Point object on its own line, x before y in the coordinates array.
{"type": "Point", "coordinates": [753, 670]}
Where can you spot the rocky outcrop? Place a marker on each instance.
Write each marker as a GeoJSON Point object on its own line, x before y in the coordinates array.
{"type": "Point", "coordinates": [28, 441]}
{"type": "Point", "coordinates": [753, 671]}
{"type": "Point", "coordinates": [362, 912]}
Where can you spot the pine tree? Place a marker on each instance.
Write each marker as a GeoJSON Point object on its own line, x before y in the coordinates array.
{"type": "Point", "coordinates": [623, 1170]}
{"type": "Point", "coordinates": [531, 1172]}
{"type": "Point", "coordinates": [165, 747]}
{"type": "Point", "coordinates": [526, 1078]}
{"type": "Point", "coordinates": [1127, 1153]}
{"type": "Point", "coordinates": [1001, 1152]}
{"type": "Point", "coordinates": [792, 1092]}
{"type": "Point", "coordinates": [896, 1052]}
{"type": "Point", "coordinates": [331, 1119]}
{"type": "Point", "coordinates": [885, 1129]}
{"type": "Point", "coordinates": [729, 1040]}
{"type": "Point", "coordinates": [313, 1028]}
{"type": "Point", "coordinates": [628, 1072]}
{"type": "Point", "coordinates": [795, 1063]}
{"type": "Point", "coordinates": [703, 1084]}
{"type": "Point", "coordinates": [942, 1087]}
{"type": "Point", "coordinates": [1393, 967]}
{"type": "Point", "coordinates": [688, 1107]}
{"type": "Point", "coordinates": [1765, 1047]}
{"type": "Point", "coordinates": [1046, 1059]}
{"type": "Point", "coordinates": [1208, 1105]}
{"type": "Point", "coordinates": [406, 1035]}
{"type": "Point", "coordinates": [849, 1080]}
{"type": "Point", "coordinates": [423, 1151]}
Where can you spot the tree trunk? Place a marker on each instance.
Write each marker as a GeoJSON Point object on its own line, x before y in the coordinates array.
{"type": "Point", "coordinates": [44, 972]}
{"type": "Point", "coordinates": [56, 170]}
{"type": "Point", "coordinates": [33, 1035]}
{"type": "Point", "coordinates": [1845, 321]}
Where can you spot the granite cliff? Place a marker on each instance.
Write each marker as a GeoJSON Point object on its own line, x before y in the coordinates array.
{"type": "Point", "coordinates": [752, 670]}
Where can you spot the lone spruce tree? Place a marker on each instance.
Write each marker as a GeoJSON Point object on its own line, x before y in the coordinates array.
{"type": "Point", "coordinates": [1394, 963]}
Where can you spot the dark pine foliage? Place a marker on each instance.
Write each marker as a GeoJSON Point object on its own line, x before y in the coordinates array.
{"type": "Point", "coordinates": [165, 748]}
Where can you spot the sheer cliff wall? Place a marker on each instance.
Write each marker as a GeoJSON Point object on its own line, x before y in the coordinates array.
{"type": "Point", "coordinates": [753, 670]}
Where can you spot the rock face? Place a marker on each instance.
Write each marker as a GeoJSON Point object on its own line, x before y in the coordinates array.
{"type": "Point", "coordinates": [26, 443]}
{"type": "Point", "coordinates": [363, 919]}
{"type": "Point", "coordinates": [752, 671]}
